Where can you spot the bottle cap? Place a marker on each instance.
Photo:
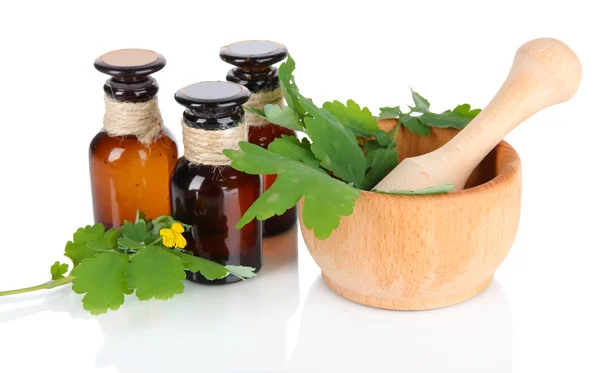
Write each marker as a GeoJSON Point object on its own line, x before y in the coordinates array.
{"type": "Point", "coordinates": [254, 53]}
{"type": "Point", "coordinates": [205, 96]}
{"type": "Point", "coordinates": [130, 70]}
{"type": "Point", "coordinates": [253, 60]}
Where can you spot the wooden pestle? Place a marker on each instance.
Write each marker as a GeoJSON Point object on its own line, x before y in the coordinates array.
{"type": "Point", "coordinates": [545, 72]}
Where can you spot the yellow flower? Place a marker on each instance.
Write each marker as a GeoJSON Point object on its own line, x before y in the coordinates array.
{"type": "Point", "coordinates": [173, 237]}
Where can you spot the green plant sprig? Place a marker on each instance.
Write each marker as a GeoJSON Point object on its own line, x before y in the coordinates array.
{"type": "Point", "coordinates": [347, 153]}
{"type": "Point", "coordinates": [107, 265]}
{"type": "Point", "coordinates": [457, 118]}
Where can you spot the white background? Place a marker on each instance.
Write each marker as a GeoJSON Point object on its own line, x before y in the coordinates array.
{"type": "Point", "coordinates": [541, 312]}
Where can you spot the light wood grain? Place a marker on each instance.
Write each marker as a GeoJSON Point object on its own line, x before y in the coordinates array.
{"type": "Point", "coordinates": [545, 72]}
{"type": "Point", "coordinates": [422, 252]}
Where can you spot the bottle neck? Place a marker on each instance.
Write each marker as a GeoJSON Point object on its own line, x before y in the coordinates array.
{"type": "Point", "coordinates": [131, 89]}
{"type": "Point", "coordinates": [140, 119]}
{"type": "Point", "coordinates": [214, 118]}
{"type": "Point", "coordinates": [256, 79]}
{"type": "Point", "coordinates": [204, 145]}
{"type": "Point", "coordinates": [259, 100]}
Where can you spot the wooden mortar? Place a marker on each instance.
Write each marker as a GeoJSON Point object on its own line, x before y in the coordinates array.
{"type": "Point", "coordinates": [423, 252]}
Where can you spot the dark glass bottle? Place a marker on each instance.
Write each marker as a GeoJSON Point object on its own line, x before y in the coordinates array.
{"type": "Point", "coordinates": [253, 60]}
{"type": "Point", "coordinates": [132, 157]}
{"type": "Point", "coordinates": [207, 193]}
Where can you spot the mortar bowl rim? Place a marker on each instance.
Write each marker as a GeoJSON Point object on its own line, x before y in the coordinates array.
{"type": "Point", "coordinates": [505, 176]}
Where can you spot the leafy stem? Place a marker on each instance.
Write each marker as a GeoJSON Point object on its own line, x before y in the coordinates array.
{"type": "Point", "coordinates": [108, 265]}
{"type": "Point", "coordinates": [154, 242]}
{"type": "Point", "coordinates": [344, 152]}
{"type": "Point", "coordinates": [45, 286]}
{"type": "Point", "coordinates": [401, 119]}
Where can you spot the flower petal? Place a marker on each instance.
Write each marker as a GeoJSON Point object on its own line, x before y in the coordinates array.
{"type": "Point", "coordinates": [169, 240]}
{"type": "Point", "coordinates": [177, 228]}
{"type": "Point", "coordinates": [180, 241]}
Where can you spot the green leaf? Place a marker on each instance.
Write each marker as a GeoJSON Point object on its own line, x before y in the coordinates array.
{"type": "Point", "coordinates": [165, 222]}
{"type": "Point", "coordinates": [371, 146]}
{"type": "Point", "coordinates": [465, 109]}
{"type": "Point", "coordinates": [140, 216]}
{"type": "Point", "coordinates": [288, 85]}
{"type": "Point", "coordinates": [333, 144]}
{"type": "Point", "coordinates": [78, 249]}
{"type": "Point", "coordinates": [285, 117]}
{"type": "Point", "coordinates": [389, 112]}
{"type": "Point", "coordinates": [210, 270]}
{"type": "Point", "coordinates": [241, 271]}
{"type": "Point", "coordinates": [290, 146]}
{"type": "Point", "coordinates": [360, 121]}
{"type": "Point", "coordinates": [381, 161]}
{"type": "Point", "coordinates": [160, 223]}
{"type": "Point", "coordinates": [57, 270]}
{"type": "Point", "coordinates": [306, 144]}
{"type": "Point", "coordinates": [107, 242]}
{"type": "Point", "coordinates": [421, 104]}
{"type": "Point", "coordinates": [438, 189]}
{"type": "Point", "coordinates": [322, 211]}
{"type": "Point", "coordinates": [384, 138]}
{"type": "Point", "coordinates": [155, 273]}
{"type": "Point", "coordinates": [103, 281]}
{"type": "Point", "coordinates": [414, 125]}
{"type": "Point", "coordinates": [110, 238]}
{"type": "Point", "coordinates": [136, 232]}
{"type": "Point", "coordinates": [126, 243]}
{"type": "Point", "coordinates": [326, 199]}
{"type": "Point", "coordinates": [457, 118]}
{"type": "Point", "coordinates": [255, 111]}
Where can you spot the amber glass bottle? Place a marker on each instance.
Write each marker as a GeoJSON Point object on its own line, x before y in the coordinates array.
{"type": "Point", "coordinates": [207, 193]}
{"type": "Point", "coordinates": [132, 157]}
{"type": "Point", "coordinates": [253, 60]}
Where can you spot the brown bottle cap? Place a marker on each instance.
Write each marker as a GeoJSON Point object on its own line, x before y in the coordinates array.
{"type": "Point", "coordinates": [130, 70]}
{"type": "Point", "coordinates": [130, 62]}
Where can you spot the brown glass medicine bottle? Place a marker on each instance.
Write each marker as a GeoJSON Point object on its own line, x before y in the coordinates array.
{"type": "Point", "coordinates": [253, 60]}
{"type": "Point", "coordinates": [206, 192]}
{"type": "Point", "coordinates": [132, 157]}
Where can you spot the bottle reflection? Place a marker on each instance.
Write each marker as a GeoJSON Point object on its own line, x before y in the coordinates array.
{"type": "Point", "coordinates": [243, 328]}
{"type": "Point", "coordinates": [234, 328]}
{"type": "Point", "coordinates": [337, 335]}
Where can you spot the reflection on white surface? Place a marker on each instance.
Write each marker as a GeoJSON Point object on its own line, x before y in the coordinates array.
{"type": "Point", "coordinates": [229, 328]}
{"type": "Point", "coordinates": [337, 335]}
{"type": "Point", "coordinates": [260, 326]}
{"type": "Point", "coordinates": [32, 304]}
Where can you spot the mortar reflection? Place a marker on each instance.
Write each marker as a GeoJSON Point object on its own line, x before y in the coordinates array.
{"type": "Point", "coordinates": [224, 328]}
{"type": "Point", "coordinates": [337, 335]}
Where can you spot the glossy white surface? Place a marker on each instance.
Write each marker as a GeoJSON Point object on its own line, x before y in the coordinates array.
{"type": "Point", "coordinates": [541, 313]}
{"type": "Point", "coordinates": [273, 323]}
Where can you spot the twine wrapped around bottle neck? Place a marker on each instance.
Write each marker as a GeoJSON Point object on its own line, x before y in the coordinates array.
{"type": "Point", "coordinates": [259, 100]}
{"type": "Point", "coordinates": [140, 119]}
{"type": "Point", "coordinates": [205, 147]}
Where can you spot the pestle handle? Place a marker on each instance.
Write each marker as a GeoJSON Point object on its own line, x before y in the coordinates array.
{"type": "Point", "coordinates": [545, 72]}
